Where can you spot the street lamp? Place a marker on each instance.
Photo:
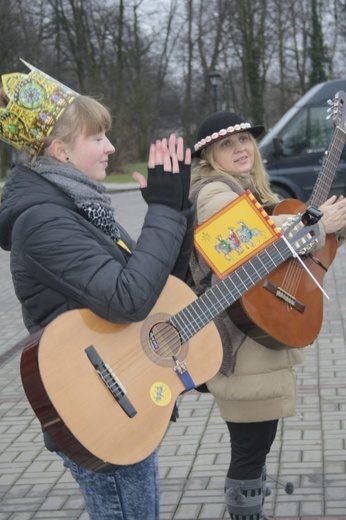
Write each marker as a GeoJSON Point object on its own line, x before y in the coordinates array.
{"type": "Point", "coordinates": [215, 78]}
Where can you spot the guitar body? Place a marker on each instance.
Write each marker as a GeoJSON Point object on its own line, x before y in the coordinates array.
{"type": "Point", "coordinates": [285, 309]}
{"type": "Point", "coordinates": [267, 313]}
{"type": "Point", "coordinates": [74, 404]}
{"type": "Point", "coordinates": [105, 393]}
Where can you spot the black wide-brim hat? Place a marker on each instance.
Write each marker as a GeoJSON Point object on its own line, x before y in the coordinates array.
{"type": "Point", "coordinates": [220, 125]}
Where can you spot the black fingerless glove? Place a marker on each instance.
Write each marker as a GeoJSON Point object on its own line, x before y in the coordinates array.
{"type": "Point", "coordinates": [163, 188]}
{"type": "Point", "coordinates": [185, 173]}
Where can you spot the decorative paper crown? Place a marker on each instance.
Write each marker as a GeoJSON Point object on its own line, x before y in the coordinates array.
{"type": "Point", "coordinates": [36, 101]}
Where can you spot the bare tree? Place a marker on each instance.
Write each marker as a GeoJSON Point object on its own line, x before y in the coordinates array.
{"type": "Point", "coordinates": [151, 66]}
{"type": "Point", "coordinates": [15, 42]}
{"type": "Point", "coordinates": [317, 49]}
{"type": "Point", "coordinates": [249, 32]}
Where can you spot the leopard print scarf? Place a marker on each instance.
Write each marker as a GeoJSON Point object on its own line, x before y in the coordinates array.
{"type": "Point", "coordinates": [89, 196]}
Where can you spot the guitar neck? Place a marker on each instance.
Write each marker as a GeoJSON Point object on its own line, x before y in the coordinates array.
{"type": "Point", "coordinates": [200, 312]}
{"type": "Point", "coordinates": [325, 178]}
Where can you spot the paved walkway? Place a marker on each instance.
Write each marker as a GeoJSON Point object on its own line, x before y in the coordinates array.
{"type": "Point", "coordinates": [310, 449]}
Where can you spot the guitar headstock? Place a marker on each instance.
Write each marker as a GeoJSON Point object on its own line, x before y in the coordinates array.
{"type": "Point", "coordinates": [337, 109]}
{"type": "Point", "coordinates": [301, 234]}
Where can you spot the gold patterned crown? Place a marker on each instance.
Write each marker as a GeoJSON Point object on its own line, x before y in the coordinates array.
{"type": "Point", "coordinates": [36, 101]}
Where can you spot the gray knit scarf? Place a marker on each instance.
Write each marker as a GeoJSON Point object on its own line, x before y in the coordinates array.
{"type": "Point", "coordinates": [89, 196]}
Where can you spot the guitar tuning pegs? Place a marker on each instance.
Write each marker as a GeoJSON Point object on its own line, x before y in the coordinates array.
{"type": "Point", "coordinates": [330, 102]}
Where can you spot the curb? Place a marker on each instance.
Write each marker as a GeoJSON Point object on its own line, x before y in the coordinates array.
{"type": "Point", "coordinates": [111, 187]}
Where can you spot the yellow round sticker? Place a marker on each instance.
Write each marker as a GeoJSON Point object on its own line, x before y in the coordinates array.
{"type": "Point", "coordinates": [160, 394]}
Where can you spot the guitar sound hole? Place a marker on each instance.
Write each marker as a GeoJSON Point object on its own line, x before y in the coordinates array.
{"type": "Point", "coordinates": [161, 341]}
{"type": "Point", "coordinates": [164, 340]}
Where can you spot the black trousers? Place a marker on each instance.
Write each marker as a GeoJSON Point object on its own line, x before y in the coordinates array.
{"type": "Point", "coordinates": [250, 445]}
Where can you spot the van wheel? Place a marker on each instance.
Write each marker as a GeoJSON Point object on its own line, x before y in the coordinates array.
{"type": "Point", "coordinates": [282, 193]}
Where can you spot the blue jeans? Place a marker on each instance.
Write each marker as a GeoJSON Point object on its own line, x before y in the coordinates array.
{"type": "Point", "coordinates": [130, 493]}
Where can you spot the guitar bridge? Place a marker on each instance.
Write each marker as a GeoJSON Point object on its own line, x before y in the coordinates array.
{"type": "Point", "coordinates": [284, 295]}
{"type": "Point", "coordinates": [110, 380]}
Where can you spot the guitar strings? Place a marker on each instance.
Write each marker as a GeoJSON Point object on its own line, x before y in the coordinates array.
{"type": "Point", "coordinates": [295, 272]}
{"type": "Point", "coordinates": [186, 325]}
{"type": "Point", "coordinates": [214, 301]}
{"type": "Point", "coordinates": [291, 280]}
{"type": "Point", "coordinates": [222, 302]}
{"type": "Point", "coordinates": [204, 309]}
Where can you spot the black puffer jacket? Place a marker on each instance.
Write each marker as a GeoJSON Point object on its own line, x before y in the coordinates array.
{"type": "Point", "coordinates": [60, 261]}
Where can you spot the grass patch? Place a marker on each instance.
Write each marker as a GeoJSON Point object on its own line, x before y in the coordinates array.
{"type": "Point", "coordinates": [128, 171]}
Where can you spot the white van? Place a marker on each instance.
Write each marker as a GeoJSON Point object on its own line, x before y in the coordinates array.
{"type": "Point", "coordinates": [293, 150]}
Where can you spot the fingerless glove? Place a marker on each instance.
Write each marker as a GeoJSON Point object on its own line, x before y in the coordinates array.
{"type": "Point", "coordinates": [163, 188]}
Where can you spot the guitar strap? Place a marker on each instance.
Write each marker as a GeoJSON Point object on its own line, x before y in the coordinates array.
{"type": "Point", "coordinates": [122, 244]}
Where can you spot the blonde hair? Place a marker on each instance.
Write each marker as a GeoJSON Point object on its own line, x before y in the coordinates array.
{"type": "Point", "coordinates": [203, 167]}
{"type": "Point", "coordinates": [3, 98]}
{"type": "Point", "coordinates": [85, 116]}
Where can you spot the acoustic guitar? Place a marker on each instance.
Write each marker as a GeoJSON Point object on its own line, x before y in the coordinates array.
{"type": "Point", "coordinates": [105, 392]}
{"type": "Point", "coordinates": [284, 310]}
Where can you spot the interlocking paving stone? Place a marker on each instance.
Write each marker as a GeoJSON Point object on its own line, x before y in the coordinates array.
{"type": "Point", "coordinates": [310, 448]}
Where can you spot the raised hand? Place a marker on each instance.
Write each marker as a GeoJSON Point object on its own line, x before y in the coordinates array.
{"type": "Point", "coordinates": [176, 147]}
{"type": "Point", "coordinates": [168, 174]}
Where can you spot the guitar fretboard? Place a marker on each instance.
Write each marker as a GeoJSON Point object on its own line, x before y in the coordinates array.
{"type": "Point", "coordinates": [325, 178]}
{"type": "Point", "coordinates": [200, 312]}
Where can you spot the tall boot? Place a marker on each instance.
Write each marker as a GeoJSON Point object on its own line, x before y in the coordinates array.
{"type": "Point", "coordinates": [244, 498]}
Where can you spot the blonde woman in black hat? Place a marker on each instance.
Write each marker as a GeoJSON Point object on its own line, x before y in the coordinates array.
{"type": "Point", "coordinates": [68, 252]}
{"type": "Point", "coordinates": [256, 386]}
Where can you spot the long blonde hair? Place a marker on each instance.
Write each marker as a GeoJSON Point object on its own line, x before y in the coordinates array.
{"type": "Point", "coordinates": [205, 166]}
